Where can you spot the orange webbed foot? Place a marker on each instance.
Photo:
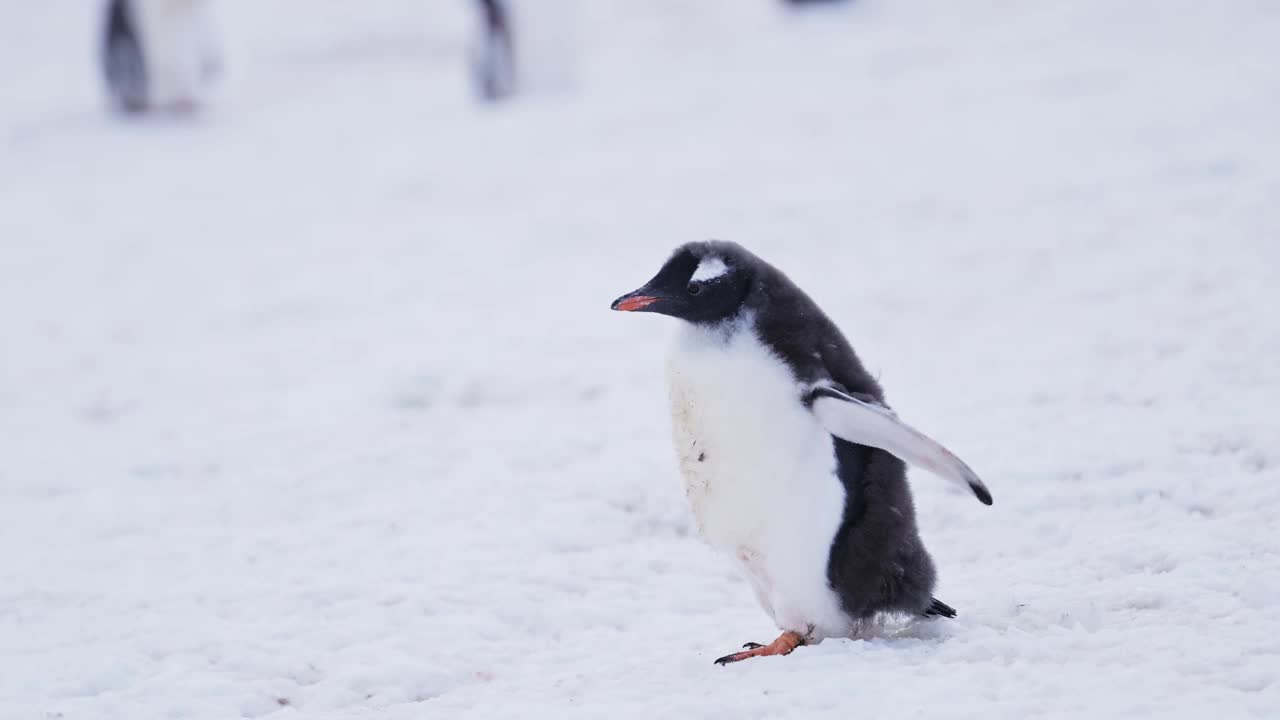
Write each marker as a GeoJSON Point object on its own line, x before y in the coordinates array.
{"type": "Point", "coordinates": [785, 643]}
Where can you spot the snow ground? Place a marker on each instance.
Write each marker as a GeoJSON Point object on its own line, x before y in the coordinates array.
{"type": "Point", "coordinates": [313, 407]}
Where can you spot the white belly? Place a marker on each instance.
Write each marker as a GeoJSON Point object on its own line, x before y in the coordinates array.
{"type": "Point", "coordinates": [178, 44]}
{"type": "Point", "coordinates": [759, 471]}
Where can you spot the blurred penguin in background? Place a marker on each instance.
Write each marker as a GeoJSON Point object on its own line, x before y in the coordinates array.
{"type": "Point", "coordinates": [493, 58]}
{"type": "Point", "coordinates": [158, 54]}
{"type": "Point", "coordinates": [524, 47]}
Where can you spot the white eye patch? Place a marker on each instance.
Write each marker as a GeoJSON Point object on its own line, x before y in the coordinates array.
{"type": "Point", "coordinates": [710, 268]}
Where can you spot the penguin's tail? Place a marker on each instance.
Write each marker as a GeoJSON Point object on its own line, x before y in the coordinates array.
{"type": "Point", "coordinates": [939, 608]}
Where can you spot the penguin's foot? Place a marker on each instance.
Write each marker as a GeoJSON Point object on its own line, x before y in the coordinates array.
{"type": "Point", "coordinates": [785, 643]}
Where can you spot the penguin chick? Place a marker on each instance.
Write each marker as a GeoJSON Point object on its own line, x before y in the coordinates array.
{"type": "Point", "coordinates": [791, 460]}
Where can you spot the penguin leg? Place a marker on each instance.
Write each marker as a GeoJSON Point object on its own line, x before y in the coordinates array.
{"type": "Point", "coordinates": [785, 643]}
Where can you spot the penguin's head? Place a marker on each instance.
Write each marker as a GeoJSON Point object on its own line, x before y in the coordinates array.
{"type": "Point", "coordinates": [703, 282]}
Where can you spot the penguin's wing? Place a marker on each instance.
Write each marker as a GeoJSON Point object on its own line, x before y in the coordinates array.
{"type": "Point", "coordinates": [870, 423]}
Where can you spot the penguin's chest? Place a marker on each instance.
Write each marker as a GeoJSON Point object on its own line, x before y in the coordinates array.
{"type": "Point", "coordinates": [759, 472]}
{"type": "Point", "coordinates": [178, 47]}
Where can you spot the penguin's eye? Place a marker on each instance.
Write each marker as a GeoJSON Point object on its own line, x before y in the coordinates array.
{"type": "Point", "coordinates": [694, 288]}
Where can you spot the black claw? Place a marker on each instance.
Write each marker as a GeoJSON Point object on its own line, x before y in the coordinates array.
{"type": "Point", "coordinates": [733, 657]}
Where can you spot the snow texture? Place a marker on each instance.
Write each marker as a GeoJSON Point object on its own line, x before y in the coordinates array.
{"type": "Point", "coordinates": [311, 406]}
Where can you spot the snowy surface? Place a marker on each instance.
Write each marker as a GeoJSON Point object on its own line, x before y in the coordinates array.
{"type": "Point", "coordinates": [313, 406]}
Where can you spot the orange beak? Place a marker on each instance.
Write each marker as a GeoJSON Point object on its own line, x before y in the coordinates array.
{"type": "Point", "coordinates": [635, 302]}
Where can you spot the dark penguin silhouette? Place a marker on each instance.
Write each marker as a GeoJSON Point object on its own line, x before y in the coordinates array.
{"type": "Point", "coordinates": [792, 461]}
{"type": "Point", "coordinates": [123, 64]}
{"type": "Point", "coordinates": [494, 58]}
{"type": "Point", "coordinates": [158, 54]}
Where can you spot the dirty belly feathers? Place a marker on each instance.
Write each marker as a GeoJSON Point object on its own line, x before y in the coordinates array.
{"type": "Point", "coordinates": [759, 472]}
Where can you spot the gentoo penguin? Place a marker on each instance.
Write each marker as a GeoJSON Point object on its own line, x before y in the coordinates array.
{"type": "Point", "coordinates": [158, 54]}
{"type": "Point", "coordinates": [493, 60]}
{"type": "Point", "coordinates": [791, 459]}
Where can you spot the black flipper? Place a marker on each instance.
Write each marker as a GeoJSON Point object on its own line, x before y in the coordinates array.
{"type": "Point", "coordinates": [939, 608]}
{"type": "Point", "coordinates": [872, 423]}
